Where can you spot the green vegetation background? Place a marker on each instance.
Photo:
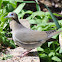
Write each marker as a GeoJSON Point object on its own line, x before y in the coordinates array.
{"type": "Point", "coordinates": [49, 51]}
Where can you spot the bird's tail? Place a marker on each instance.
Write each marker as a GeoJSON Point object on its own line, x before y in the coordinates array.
{"type": "Point", "coordinates": [54, 33]}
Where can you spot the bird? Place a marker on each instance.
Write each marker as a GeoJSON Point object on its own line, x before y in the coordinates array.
{"type": "Point", "coordinates": [27, 38]}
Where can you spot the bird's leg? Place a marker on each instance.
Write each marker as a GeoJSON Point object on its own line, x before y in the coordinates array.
{"type": "Point", "coordinates": [25, 53]}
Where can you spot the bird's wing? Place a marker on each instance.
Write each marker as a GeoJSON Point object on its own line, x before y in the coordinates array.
{"type": "Point", "coordinates": [28, 36]}
{"type": "Point", "coordinates": [25, 23]}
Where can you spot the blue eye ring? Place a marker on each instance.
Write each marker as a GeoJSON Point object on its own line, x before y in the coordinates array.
{"type": "Point", "coordinates": [11, 14]}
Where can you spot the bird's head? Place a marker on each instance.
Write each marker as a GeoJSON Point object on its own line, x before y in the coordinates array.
{"type": "Point", "coordinates": [12, 15]}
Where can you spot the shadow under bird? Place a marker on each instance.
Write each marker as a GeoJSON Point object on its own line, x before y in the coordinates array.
{"type": "Point", "coordinates": [27, 38]}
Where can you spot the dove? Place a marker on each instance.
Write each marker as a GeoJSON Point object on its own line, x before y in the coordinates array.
{"type": "Point", "coordinates": [27, 38]}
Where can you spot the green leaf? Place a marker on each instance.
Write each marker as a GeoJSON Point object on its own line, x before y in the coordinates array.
{"type": "Point", "coordinates": [14, 4]}
{"type": "Point", "coordinates": [55, 58]}
{"type": "Point", "coordinates": [57, 49]}
{"type": "Point", "coordinates": [9, 8]}
{"type": "Point", "coordinates": [37, 6]}
{"type": "Point", "coordinates": [49, 43]}
{"type": "Point", "coordinates": [19, 0]}
{"type": "Point", "coordinates": [32, 21]}
{"type": "Point", "coordinates": [39, 29]}
{"type": "Point", "coordinates": [37, 13]}
{"type": "Point", "coordinates": [51, 54]}
{"type": "Point", "coordinates": [21, 14]}
{"type": "Point", "coordinates": [26, 1]}
{"type": "Point", "coordinates": [43, 55]}
{"type": "Point", "coordinates": [30, 12]}
{"type": "Point", "coordinates": [40, 49]}
{"type": "Point", "coordinates": [11, 1]}
{"type": "Point", "coordinates": [0, 3]}
{"type": "Point", "coordinates": [19, 8]}
{"type": "Point", "coordinates": [57, 15]}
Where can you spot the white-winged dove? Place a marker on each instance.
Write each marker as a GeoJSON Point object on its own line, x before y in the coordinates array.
{"type": "Point", "coordinates": [27, 38]}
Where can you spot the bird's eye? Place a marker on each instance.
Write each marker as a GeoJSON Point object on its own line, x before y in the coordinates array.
{"type": "Point", "coordinates": [12, 14]}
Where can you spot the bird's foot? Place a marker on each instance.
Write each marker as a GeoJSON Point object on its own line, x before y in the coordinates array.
{"type": "Point", "coordinates": [25, 53]}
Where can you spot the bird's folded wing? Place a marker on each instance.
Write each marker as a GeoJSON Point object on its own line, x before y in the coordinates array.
{"type": "Point", "coordinates": [25, 23]}
{"type": "Point", "coordinates": [30, 36]}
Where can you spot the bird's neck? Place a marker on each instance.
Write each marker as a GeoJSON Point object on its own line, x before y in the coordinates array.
{"type": "Point", "coordinates": [17, 20]}
{"type": "Point", "coordinates": [15, 25]}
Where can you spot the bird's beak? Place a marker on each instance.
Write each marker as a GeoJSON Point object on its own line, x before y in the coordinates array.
{"type": "Point", "coordinates": [6, 17]}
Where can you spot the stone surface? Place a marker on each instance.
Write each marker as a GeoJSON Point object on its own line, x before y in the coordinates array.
{"type": "Point", "coordinates": [31, 57]}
